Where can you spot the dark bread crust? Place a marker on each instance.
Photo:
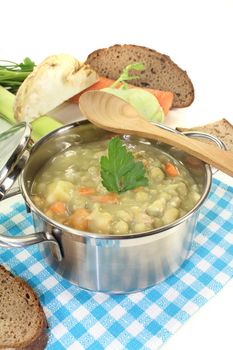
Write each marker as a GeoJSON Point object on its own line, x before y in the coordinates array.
{"type": "Point", "coordinates": [39, 338]}
{"type": "Point", "coordinates": [160, 71]}
{"type": "Point", "coordinates": [38, 344]}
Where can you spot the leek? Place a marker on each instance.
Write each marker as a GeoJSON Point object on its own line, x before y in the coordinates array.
{"type": "Point", "coordinates": [7, 100]}
{"type": "Point", "coordinates": [40, 127]}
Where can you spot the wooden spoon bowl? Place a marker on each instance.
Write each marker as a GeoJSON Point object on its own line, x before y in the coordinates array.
{"type": "Point", "coordinates": [112, 113]}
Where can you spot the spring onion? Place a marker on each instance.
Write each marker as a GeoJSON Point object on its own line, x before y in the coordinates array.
{"type": "Point", "coordinates": [13, 74]}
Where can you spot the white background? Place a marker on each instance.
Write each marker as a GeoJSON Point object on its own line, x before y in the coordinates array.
{"type": "Point", "coordinates": [197, 35]}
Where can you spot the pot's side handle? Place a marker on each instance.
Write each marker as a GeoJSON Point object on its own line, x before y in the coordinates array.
{"type": "Point", "coordinates": [12, 192]}
{"type": "Point", "coordinates": [195, 134]}
{"type": "Point", "coordinates": [28, 240]}
{"type": "Point", "coordinates": [203, 135]}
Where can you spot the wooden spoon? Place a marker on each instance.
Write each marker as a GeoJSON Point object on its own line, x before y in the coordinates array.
{"type": "Point", "coordinates": [112, 113]}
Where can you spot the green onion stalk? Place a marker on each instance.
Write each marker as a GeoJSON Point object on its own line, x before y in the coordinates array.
{"type": "Point", "coordinates": [12, 74]}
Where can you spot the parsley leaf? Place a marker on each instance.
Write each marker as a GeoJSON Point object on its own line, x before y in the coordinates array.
{"type": "Point", "coordinates": [119, 171]}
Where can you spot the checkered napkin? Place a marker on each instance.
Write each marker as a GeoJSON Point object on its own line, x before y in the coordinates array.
{"type": "Point", "coordinates": [145, 320]}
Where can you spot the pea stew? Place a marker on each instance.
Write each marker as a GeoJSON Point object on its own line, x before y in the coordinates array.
{"type": "Point", "coordinates": [69, 190]}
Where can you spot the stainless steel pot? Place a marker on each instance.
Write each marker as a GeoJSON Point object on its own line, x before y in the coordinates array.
{"type": "Point", "coordinates": [106, 263]}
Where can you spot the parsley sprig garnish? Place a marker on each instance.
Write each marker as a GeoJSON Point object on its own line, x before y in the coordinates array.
{"type": "Point", "coordinates": [119, 170]}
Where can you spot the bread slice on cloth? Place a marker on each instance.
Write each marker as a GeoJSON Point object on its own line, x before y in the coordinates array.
{"type": "Point", "coordinates": [160, 72]}
{"type": "Point", "coordinates": [23, 323]}
{"type": "Point", "coordinates": [222, 129]}
{"type": "Point", "coordinates": [52, 82]}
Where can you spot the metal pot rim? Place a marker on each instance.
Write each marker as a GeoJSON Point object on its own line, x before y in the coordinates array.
{"type": "Point", "coordinates": [99, 236]}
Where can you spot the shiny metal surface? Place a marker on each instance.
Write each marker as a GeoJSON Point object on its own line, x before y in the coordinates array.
{"type": "Point", "coordinates": [34, 238]}
{"type": "Point", "coordinates": [12, 192]}
{"type": "Point", "coordinates": [28, 240]}
{"type": "Point", "coordinates": [107, 263]}
{"type": "Point", "coordinates": [122, 265]}
{"type": "Point", "coordinates": [14, 155]}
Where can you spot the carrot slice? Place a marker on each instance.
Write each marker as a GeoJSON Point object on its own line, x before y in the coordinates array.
{"type": "Point", "coordinates": [79, 219]}
{"type": "Point", "coordinates": [58, 208]}
{"type": "Point", "coordinates": [107, 198]}
{"type": "Point", "coordinates": [171, 170]}
{"type": "Point", "coordinates": [86, 191]}
{"type": "Point", "coordinates": [165, 98]}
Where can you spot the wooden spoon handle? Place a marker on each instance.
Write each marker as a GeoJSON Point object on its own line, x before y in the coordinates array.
{"type": "Point", "coordinates": [220, 159]}
{"type": "Point", "coordinates": [210, 154]}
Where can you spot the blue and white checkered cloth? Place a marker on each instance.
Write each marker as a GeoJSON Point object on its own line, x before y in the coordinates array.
{"type": "Point", "coordinates": [145, 320]}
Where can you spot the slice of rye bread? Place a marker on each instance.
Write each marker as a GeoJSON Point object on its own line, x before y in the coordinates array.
{"type": "Point", "coordinates": [23, 325]}
{"type": "Point", "coordinates": [160, 72]}
{"type": "Point", "coordinates": [222, 129]}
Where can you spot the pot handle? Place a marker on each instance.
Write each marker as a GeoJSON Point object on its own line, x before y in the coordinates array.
{"type": "Point", "coordinates": [203, 135]}
{"type": "Point", "coordinates": [27, 240]}
{"type": "Point", "coordinates": [194, 134]}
